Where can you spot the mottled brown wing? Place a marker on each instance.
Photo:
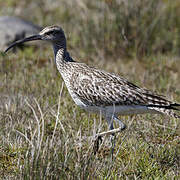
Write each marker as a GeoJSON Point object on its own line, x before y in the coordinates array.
{"type": "Point", "coordinates": [95, 87]}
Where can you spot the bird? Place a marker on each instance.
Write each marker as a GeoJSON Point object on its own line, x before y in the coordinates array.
{"type": "Point", "coordinates": [99, 91]}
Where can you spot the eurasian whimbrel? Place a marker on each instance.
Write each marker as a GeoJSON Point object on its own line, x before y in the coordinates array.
{"type": "Point", "coordinates": [96, 90]}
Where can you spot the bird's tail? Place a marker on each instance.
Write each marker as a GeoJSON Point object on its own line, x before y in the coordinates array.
{"type": "Point", "coordinates": [168, 110]}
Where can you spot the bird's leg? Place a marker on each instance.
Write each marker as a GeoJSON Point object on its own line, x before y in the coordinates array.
{"type": "Point", "coordinates": [99, 136]}
{"type": "Point", "coordinates": [110, 121]}
{"type": "Point", "coordinates": [112, 135]}
{"type": "Point", "coordinates": [111, 131]}
{"type": "Point", "coordinates": [112, 144]}
{"type": "Point", "coordinates": [122, 126]}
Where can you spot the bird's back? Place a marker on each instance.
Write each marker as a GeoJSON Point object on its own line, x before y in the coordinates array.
{"type": "Point", "coordinates": [92, 87]}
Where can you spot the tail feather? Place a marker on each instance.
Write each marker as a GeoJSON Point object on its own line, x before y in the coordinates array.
{"type": "Point", "coordinates": [160, 104]}
{"type": "Point", "coordinates": [168, 110]}
{"type": "Point", "coordinates": [172, 106]}
{"type": "Point", "coordinates": [176, 106]}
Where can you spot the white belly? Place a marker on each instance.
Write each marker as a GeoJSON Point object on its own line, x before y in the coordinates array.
{"type": "Point", "coordinates": [118, 110]}
{"type": "Point", "coordinates": [129, 110]}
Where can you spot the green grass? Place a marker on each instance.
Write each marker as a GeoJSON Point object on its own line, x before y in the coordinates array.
{"type": "Point", "coordinates": [43, 134]}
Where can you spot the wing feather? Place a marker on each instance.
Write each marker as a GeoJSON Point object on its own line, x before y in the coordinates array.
{"type": "Point", "coordinates": [100, 88]}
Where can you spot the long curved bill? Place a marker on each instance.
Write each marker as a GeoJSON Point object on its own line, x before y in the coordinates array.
{"type": "Point", "coordinates": [31, 38]}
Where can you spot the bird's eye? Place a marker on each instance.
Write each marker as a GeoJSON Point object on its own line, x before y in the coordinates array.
{"type": "Point", "coordinates": [55, 32]}
{"type": "Point", "coordinates": [49, 33]}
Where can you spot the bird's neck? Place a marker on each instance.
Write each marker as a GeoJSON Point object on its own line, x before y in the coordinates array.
{"type": "Point", "coordinates": [61, 56]}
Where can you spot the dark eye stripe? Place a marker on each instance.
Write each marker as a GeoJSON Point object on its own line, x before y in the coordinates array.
{"type": "Point", "coordinates": [49, 32]}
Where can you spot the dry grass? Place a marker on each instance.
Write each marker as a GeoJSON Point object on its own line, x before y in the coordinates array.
{"type": "Point", "coordinates": [43, 134]}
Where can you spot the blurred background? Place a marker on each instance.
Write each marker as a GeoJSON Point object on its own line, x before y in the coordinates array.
{"type": "Point", "coordinates": [116, 28]}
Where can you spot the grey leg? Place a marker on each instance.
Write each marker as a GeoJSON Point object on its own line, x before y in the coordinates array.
{"type": "Point", "coordinates": [110, 119]}
{"type": "Point", "coordinates": [112, 135]}
{"type": "Point", "coordinates": [121, 124]}
{"type": "Point", "coordinates": [110, 122]}
{"type": "Point", "coordinates": [111, 131]}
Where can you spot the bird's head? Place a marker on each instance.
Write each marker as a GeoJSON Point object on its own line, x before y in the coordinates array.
{"type": "Point", "coordinates": [53, 34]}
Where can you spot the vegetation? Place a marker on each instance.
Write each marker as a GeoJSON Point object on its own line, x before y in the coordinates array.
{"type": "Point", "coordinates": [43, 134]}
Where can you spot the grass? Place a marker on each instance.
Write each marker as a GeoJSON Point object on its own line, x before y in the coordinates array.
{"type": "Point", "coordinates": [43, 134]}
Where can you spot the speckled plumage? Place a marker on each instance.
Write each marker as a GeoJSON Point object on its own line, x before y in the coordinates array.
{"type": "Point", "coordinates": [95, 87]}
{"type": "Point", "coordinates": [97, 90]}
